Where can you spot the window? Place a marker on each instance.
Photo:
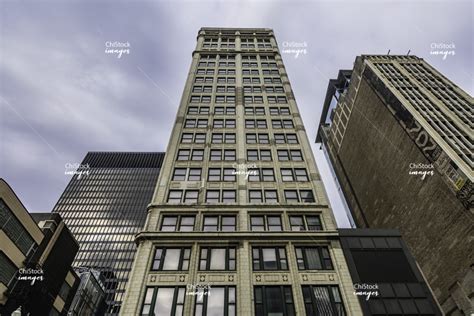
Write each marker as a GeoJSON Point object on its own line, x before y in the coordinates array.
{"type": "Point", "coordinates": [265, 174]}
{"type": "Point", "coordinates": [194, 174]}
{"type": "Point", "coordinates": [200, 138]}
{"type": "Point", "coordinates": [265, 223]}
{"type": "Point", "coordinates": [229, 175]}
{"type": "Point", "coordinates": [216, 300]}
{"type": "Point", "coordinates": [263, 155]}
{"type": "Point", "coordinates": [269, 258]}
{"type": "Point", "coordinates": [313, 258]}
{"type": "Point", "coordinates": [213, 223]}
{"type": "Point", "coordinates": [285, 155]}
{"type": "Point", "coordinates": [274, 300]}
{"type": "Point", "coordinates": [198, 155]}
{"type": "Point", "coordinates": [182, 223]}
{"type": "Point", "coordinates": [305, 222]}
{"type": "Point", "coordinates": [191, 196]}
{"type": "Point", "coordinates": [171, 259]}
{"type": "Point", "coordinates": [291, 139]}
{"type": "Point", "coordinates": [164, 301]}
{"type": "Point", "coordinates": [217, 259]}
{"type": "Point", "coordinates": [214, 174]}
{"type": "Point", "coordinates": [255, 196]}
{"type": "Point", "coordinates": [252, 154]}
{"type": "Point", "coordinates": [179, 174]}
{"type": "Point", "coordinates": [292, 175]}
{"type": "Point", "coordinates": [215, 196]}
{"type": "Point", "coordinates": [279, 138]}
{"type": "Point", "coordinates": [216, 155]}
{"type": "Point", "coordinates": [282, 124]}
{"type": "Point", "coordinates": [270, 196]}
{"type": "Point", "coordinates": [229, 155]}
{"type": "Point", "coordinates": [6, 266]}
{"type": "Point", "coordinates": [323, 300]}
{"type": "Point", "coordinates": [305, 195]}
{"type": "Point", "coordinates": [187, 138]}
{"type": "Point", "coordinates": [301, 175]}
{"type": "Point", "coordinates": [175, 196]}
{"type": "Point", "coordinates": [228, 196]}
{"type": "Point", "coordinates": [263, 139]}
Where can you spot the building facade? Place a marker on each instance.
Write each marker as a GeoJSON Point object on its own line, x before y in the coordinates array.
{"type": "Point", "coordinates": [104, 205]}
{"type": "Point", "coordinates": [386, 278]}
{"type": "Point", "coordinates": [399, 137]}
{"type": "Point", "coordinates": [36, 253]}
{"type": "Point", "coordinates": [240, 223]}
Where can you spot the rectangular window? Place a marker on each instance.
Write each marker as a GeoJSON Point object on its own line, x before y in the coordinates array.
{"type": "Point", "coordinates": [183, 223]}
{"type": "Point", "coordinates": [274, 300]}
{"type": "Point", "coordinates": [175, 196]}
{"type": "Point", "coordinates": [216, 155]}
{"type": "Point", "coordinates": [191, 196]}
{"type": "Point", "coordinates": [270, 196]}
{"type": "Point", "coordinates": [164, 301]}
{"type": "Point", "coordinates": [313, 258]}
{"type": "Point", "coordinates": [218, 123]}
{"type": "Point", "coordinates": [7, 268]}
{"type": "Point", "coordinates": [265, 223]}
{"type": "Point", "coordinates": [171, 259]}
{"type": "Point", "coordinates": [179, 174]}
{"type": "Point", "coordinates": [198, 155]}
{"type": "Point", "coordinates": [305, 222]}
{"type": "Point", "coordinates": [216, 301]}
{"type": "Point", "coordinates": [229, 175]}
{"type": "Point", "coordinates": [200, 138]}
{"type": "Point", "coordinates": [269, 258]}
{"type": "Point", "coordinates": [214, 174]}
{"type": "Point", "coordinates": [212, 259]}
{"type": "Point", "coordinates": [214, 223]}
{"type": "Point", "coordinates": [323, 300]}
{"type": "Point", "coordinates": [213, 196]}
{"type": "Point", "coordinates": [194, 174]}
{"type": "Point", "coordinates": [229, 154]}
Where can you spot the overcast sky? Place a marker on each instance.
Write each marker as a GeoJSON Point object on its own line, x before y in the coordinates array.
{"type": "Point", "coordinates": [61, 95]}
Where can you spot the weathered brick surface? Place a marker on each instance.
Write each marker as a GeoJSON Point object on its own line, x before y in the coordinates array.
{"type": "Point", "coordinates": [376, 153]}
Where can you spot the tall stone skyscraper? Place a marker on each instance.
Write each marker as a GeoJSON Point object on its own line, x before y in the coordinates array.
{"type": "Point", "coordinates": [240, 222]}
{"type": "Point", "coordinates": [399, 137]}
{"type": "Point", "coordinates": [104, 206]}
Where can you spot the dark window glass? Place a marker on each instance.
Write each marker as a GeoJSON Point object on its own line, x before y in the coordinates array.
{"type": "Point", "coordinates": [164, 301]}
{"type": "Point", "coordinates": [273, 300]}
{"type": "Point", "coordinates": [323, 300]}
{"type": "Point", "coordinates": [171, 259]}
{"type": "Point", "coordinates": [313, 258]}
{"type": "Point", "coordinates": [269, 258]}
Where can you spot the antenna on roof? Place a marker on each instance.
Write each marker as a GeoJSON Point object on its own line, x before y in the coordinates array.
{"type": "Point", "coordinates": [388, 53]}
{"type": "Point", "coordinates": [408, 54]}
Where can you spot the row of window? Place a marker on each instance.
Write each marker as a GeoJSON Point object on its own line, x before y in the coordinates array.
{"type": "Point", "coordinates": [231, 99]}
{"type": "Point", "coordinates": [230, 123]}
{"type": "Point", "coordinates": [274, 300]}
{"type": "Point", "coordinates": [230, 110]}
{"type": "Point", "coordinates": [211, 64]}
{"type": "Point", "coordinates": [205, 79]}
{"type": "Point", "coordinates": [230, 154]}
{"type": "Point", "coordinates": [250, 138]}
{"type": "Point", "coordinates": [230, 174]}
{"type": "Point", "coordinates": [231, 89]}
{"type": "Point", "coordinates": [227, 223]}
{"type": "Point", "coordinates": [264, 258]}
{"type": "Point", "coordinates": [246, 57]}
{"type": "Point", "coordinates": [230, 196]}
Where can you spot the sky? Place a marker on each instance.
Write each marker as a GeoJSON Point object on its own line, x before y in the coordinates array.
{"type": "Point", "coordinates": [61, 95]}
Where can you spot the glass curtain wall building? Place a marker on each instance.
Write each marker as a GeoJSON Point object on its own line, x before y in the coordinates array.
{"type": "Point", "coordinates": [104, 205]}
